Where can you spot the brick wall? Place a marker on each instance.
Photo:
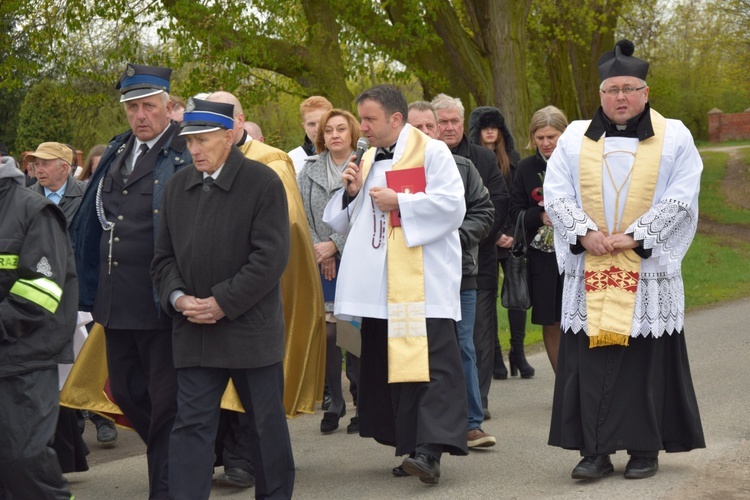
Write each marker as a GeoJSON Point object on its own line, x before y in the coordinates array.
{"type": "Point", "coordinates": [728, 126]}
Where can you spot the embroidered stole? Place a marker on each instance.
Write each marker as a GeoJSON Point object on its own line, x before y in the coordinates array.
{"type": "Point", "coordinates": [408, 351]}
{"type": "Point", "coordinates": [612, 281]}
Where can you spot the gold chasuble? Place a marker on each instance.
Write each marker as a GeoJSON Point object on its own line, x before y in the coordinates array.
{"type": "Point", "coordinates": [301, 293]}
{"type": "Point", "coordinates": [408, 351]}
{"type": "Point", "coordinates": [612, 281]}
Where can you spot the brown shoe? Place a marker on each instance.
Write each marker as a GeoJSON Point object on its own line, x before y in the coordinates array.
{"type": "Point", "coordinates": [477, 438]}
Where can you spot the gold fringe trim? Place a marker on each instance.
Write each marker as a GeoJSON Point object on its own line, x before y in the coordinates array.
{"type": "Point", "coordinates": [608, 338]}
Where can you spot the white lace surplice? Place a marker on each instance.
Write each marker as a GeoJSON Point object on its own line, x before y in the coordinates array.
{"type": "Point", "coordinates": [666, 229]}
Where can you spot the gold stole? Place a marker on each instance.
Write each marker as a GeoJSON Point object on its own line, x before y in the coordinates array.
{"type": "Point", "coordinates": [612, 281]}
{"type": "Point", "coordinates": [408, 359]}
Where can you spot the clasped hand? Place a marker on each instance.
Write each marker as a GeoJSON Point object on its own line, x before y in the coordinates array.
{"type": "Point", "coordinates": [201, 311]}
{"type": "Point", "coordinates": [598, 243]}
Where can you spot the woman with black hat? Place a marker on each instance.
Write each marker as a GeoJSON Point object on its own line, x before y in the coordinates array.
{"type": "Point", "coordinates": [487, 128]}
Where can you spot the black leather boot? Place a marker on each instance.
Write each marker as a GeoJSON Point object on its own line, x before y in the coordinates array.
{"type": "Point", "coordinates": [499, 371]}
{"type": "Point", "coordinates": [517, 356]}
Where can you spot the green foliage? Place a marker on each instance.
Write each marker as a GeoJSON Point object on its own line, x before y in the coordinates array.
{"type": "Point", "coordinates": [715, 269]}
{"type": "Point", "coordinates": [43, 116]}
{"type": "Point", "coordinates": [713, 203]}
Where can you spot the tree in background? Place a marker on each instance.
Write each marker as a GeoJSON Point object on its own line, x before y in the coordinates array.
{"type": "Point", "coordinates": [272, 54]}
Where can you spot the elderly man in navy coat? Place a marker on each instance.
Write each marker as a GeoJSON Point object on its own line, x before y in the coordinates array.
{"type": "Point", "coordinates": [221, 249]}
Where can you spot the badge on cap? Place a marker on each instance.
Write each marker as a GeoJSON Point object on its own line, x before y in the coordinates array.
{"type": "Point", "coordinates": [131, 70]}
{"type": "Point", "coordinates": [190, 106]}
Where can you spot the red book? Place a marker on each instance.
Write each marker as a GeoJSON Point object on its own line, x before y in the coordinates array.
{"type": "Point", "coordinates": [408, 180]}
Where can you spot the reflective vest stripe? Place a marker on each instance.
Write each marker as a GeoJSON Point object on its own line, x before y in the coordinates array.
{"type": "Point", "coordinates": [41, 291]}
{"type": "Point", "coordinates": [8, 261]}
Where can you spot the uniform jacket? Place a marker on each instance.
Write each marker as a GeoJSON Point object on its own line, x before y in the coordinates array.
{"type": "Point", "coordinates": [38, 285]}
{"type": "Point", "coordinates": [480, 214]}
{"type": "Point", "coordinates": [125, 298]}
{"type": "Point", "coordinates": [486, 163]}
{"type": "Point", "coordinates": [229, 241]}
{"type": "Point", "coordinates": [71, 200]}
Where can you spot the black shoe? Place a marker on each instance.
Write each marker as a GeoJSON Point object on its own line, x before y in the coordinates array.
{"type": "Point", "coordinates": [425, 467]}
{"type": "Point", "coordinates": [353, 427]}
{"type": "Point", "coordinates": [106, 433]}
{"type": "Point", "coordinates": [330, 421]}
{"type": "Point", "coordinates": [236, 477]}
{"type": "Point", "coordinates": [593, 467]}
{"type": "Point", "coordinates": [399, 471]}
{"type": "Point", "coordinates": [641, 467]}
{"type": "Point", "coordinates": [499, 371]}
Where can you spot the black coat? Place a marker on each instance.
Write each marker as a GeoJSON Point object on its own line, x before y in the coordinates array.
{"type": "Point", "coordinates": [38, 285]}
{"type": "Point", "coordinates": [229, 241]}
{"type": "Point", "coordinates": [477, 222]}
{"type": "Point", "coordinates": [486, 163]}
{"type": "Point", "coordinates": [527, 192]}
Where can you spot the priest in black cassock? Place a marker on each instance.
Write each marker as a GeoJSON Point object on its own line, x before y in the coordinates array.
{"type": "Point", "coordinates": [622, 193]}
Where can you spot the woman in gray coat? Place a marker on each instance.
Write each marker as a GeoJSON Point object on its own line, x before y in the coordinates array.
{"type": "Point", "coordinates": [335, 143]}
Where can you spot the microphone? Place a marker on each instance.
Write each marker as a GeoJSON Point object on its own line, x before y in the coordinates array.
{"type": "Point", "coordinates": [362, 145]}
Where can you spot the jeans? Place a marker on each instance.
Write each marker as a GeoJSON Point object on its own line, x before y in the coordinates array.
{"type": "Point", "coordinates": [465, 332]}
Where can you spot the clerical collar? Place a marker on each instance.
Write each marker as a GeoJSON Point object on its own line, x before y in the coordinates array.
{"type": "Point", "coordinates": [639, 126]}
{"type": "Point", "coordinates": [385, 153]}
{"type": "Point", "coordinates": [242, 141]}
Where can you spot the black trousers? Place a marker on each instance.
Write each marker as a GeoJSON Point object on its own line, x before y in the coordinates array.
{"type": "Point", "coordinates": [28, 418]}
{"type": "Point", "coordinates": [144, 384]}
{"type": "Point", "coordinates": [191, 449]}
{"type": "Point", "coordinates": [485, 331]}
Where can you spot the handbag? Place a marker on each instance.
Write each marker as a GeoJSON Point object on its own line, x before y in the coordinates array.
{"type": "Point", "coordinates": [515, 292]}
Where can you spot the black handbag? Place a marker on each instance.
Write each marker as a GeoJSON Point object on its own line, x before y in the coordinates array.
{"type": "Point", "coordinates": [515, 292]}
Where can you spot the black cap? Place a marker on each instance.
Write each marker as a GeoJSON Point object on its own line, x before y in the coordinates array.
{"type": "Point", "coordinates": [206, 116]}
{"type": "Point", "coordinates": [620, 62]}
{"type": "Point", "coordinates": [139, 81]}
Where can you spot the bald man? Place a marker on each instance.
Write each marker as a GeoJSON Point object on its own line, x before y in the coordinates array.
{"type": "Point", "coordinates": [253, 129]}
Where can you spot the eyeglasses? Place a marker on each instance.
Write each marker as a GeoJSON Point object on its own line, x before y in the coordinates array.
{"type": "Point", "coordinates": [614, 91]}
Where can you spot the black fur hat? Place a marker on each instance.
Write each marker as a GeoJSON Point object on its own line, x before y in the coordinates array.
{"type": "Point", "coordinates": [488, 116]}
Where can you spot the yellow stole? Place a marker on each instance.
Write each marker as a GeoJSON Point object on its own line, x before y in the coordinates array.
{"type": "Point", "coordinates": [612, 281]}
{"type": "Point", "coordinates": [408, 359]}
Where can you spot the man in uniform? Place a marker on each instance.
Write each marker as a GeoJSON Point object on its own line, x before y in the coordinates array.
{"type": "Point", "coordinates": [408, 297]}
{"type": "Point", "coordinates": [38, 300]}
{"type": "Point", "coordinates": [622, 193]}
{"type": "Point", "coordinates": [113, 235]}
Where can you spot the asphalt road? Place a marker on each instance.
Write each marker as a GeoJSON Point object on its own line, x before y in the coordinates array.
{"type": "Point", "coordinates": [521, 465]}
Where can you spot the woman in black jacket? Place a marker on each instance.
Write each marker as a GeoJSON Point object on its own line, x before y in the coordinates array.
{"type": "Point", "coordinates": [527, 197]}
{"type": "Point", "coordinates": [487, 128]}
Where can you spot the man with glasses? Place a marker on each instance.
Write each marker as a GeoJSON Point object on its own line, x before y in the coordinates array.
{"type": "Point", "coordinates": [52, 162]}
{"type": "Point", "coordinates": [622, 193]}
